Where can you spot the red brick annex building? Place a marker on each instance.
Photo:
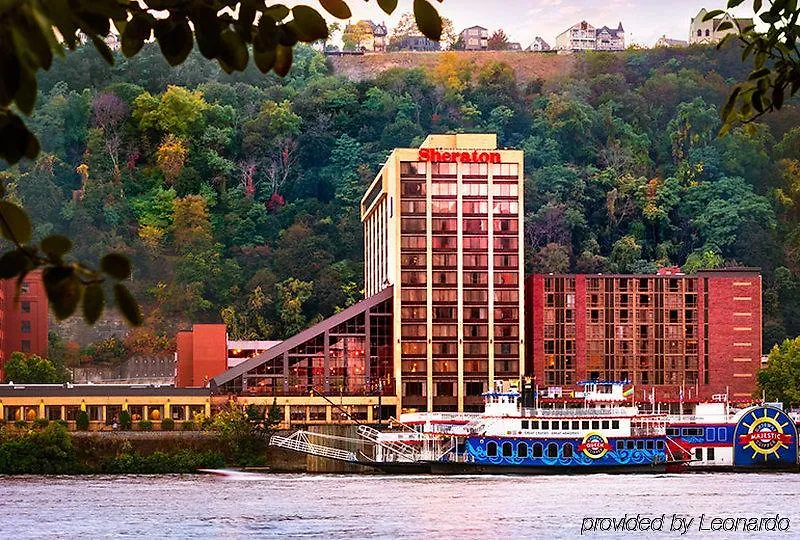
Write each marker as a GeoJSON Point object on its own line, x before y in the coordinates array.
{"type": "Point", "coordinates": [23, 318]}
{"type": "Point", "coordinates": [448, 312]}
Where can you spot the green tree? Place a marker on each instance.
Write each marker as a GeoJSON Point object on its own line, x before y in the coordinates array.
{"type": "Point", "coordinates": [780, 380]}
{"type": "Point", "coordinates": [33, 369]}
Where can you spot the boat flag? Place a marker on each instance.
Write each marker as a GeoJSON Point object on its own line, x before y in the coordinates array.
{"type": "Point", "coordinates": [628, 392]}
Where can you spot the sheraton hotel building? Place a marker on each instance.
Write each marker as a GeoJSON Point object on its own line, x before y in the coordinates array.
{"type": "Point", "coordinates": [448, 310]}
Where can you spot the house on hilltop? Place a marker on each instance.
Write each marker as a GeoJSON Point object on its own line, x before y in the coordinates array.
{"type": "Point", "coordinates": [367, 36]}
{"type": "Point", "coordinates": [538, 45]}
{"type": "Point", "coordinates": [475, 38]}
{"type": "Point", "coordinates": [585, 37]}
{"type": "Point", "coordinates": [709, 32]}
{"type": "Point", "coordinates": [664, 41]}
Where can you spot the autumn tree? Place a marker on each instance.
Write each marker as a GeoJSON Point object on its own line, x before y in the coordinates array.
{"type": "Point", "coordinates": [356, 36]}
{"type": "Point", "coordinates": [498, 41]}
{"type": "Point", "coordinates": [780, 380]}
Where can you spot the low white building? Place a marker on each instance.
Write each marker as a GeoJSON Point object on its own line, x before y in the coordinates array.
{"type": "Point", "coordinates": [709, 32]}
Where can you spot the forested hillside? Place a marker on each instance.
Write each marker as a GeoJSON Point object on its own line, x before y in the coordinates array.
{"type": "Point", "coordinates": [236, 196]}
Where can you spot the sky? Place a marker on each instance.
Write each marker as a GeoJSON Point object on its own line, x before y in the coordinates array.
{"type": "Point", "coordinates": [644, 21]}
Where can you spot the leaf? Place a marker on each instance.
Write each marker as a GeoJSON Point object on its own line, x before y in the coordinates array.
{"type": "Point", "coordinates": [10, 68]}
{"type": "Point", "coordinates": [127, 305]}
{"type": "Point", "coordinates": [734, 3]}
{"type": "Point", "coordinates": [14, 223]}
{"type": "Point", "coordinates": [756, 4]}
{"type": "Point", "coordinates": [56, 245]}
{"type": "Point", "coordinates": [136, 32]}
{"type": "Point", "coordinates": [14, 263]}
{"type": "Point", "coordinates": [104, 50]}
{"type": "Point", "coordinates": [727, 25]}
{"type": "Point", "coordinates": [283, 60]}
{"type": "Point", "coordinates": [763, 72]}
{"type": "Point", "coordinates": [309, 24]}
{"type": "Point", "coordinates": [26, 95]}
{"type": "Point", "coordinates": [94, 301]}
{"type": "Point", "coordinates": [337, 8]}
{"type": "Point", "coordinates": [116, 265]}
{"type": "Point", "coordinates": [18, 141]}
{"type": "Point", "coordinates": [264, 59]}
{"type": "Point", "coordinates": [711, 14]}
{"type": "Point", "coordinates": [277, 13]}
{"type": "Point", "coordinates": [175, 39]}
{"type": "Point", "coordinates": [777, 97]}
{"type": "Point", "coordinates": [233, 50]}
{"type": "Point", "coordinates": [63, 290]}
{"type": "Point", "coordinates": [388, 6]}
{"type": "Point", "coordinates": [728, 108]}
{"type": "Point", "coordinates": [428, 20]}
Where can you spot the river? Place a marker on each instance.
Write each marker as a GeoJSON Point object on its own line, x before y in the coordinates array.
{"type": "Point", "coordinates": [350, 506]}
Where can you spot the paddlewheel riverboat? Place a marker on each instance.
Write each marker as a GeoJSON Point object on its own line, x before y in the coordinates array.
{"type": "Point", "coordinates": [601, 436]}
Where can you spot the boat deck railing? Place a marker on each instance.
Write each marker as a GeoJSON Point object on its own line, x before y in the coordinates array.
{"type": "Point", "coordinates": [579, 412]}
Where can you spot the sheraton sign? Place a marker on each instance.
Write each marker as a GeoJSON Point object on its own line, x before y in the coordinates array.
{"type": "Point", "coordinates": [435, 156]}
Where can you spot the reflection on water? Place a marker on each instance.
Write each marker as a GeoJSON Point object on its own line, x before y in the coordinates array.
{"type": "Point", "coordinates": [339, 506]}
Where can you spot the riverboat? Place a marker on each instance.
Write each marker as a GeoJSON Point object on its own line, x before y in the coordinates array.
{"type": "Point", "coordinates": [715, 438]}
{"type": "Point", "coordinates": [601, 436]}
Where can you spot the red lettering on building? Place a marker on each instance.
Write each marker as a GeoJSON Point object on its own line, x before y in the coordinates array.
{"type": "Point", "coordinates": [435, 156]}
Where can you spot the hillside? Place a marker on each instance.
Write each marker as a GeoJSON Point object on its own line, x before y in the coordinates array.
{"type": "Point", "coordinates": [527, 66]}
{"type": "Point", "coordinates": [237, 196]}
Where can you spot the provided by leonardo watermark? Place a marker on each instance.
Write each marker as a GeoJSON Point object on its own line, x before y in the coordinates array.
{"type": "Point", "coordinates": [681, 524]}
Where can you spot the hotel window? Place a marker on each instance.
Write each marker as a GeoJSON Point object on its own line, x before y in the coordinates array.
{"type": "Point", "coordinates": [415, 295]}
{"type": "Point", "coordinates": [444, 189]}
{"type": "Point", "coordinates": [444, 295]}
{"type": "Point", "coordinates": [475, 190]}
{"type": "Point", "coordinates": [506, 349]}
{"type": "Point", "coordinates": [26, 306]}
{"type": "Point", "coordinates": [413, 167]}
{"type": "Point", "coordinates": [26, 327]}
{"type": "Point", "coordinates": [443, 225]}
{"type": "Point", "coordinates": [444, 389]}
{"type": "Point", "coordinates": [506, 261]}
{"type": "Point", "coordinates": [506, 278]}
{"type": "Point", "coordinates": [25, 287]}
{"type": "Point", "coordinates": [412, 207]}
{"type": "Point", "coordinates": [445, 330]}
{"type": "Point", "coordinates": [505, 169]}
{"type": "Point", "coordinates": [412, 242]}
{"type": "Point", "coordinates": [440, 206]}
{"type": "Point", "coordinates": [475, 207]}
{"type": "Point", "coordinates": [445, 278]}
{"type": "Point", "coordinates": [506, 243]}
{"type": "Point", "coordinates": [447, 313]}
{"type": "Point", "coordinates": [476, 261]}
{"type": "Point", "coordinates": [413, 260]}
{"type": "Point", "coordinates": [476, 278]}
{"type": "Point", "coordinates": [444, 260]}
{"type": "Point", "coordinates": [476, 331]}
{"type": "Point", "coordinates": [444, 242]}
{"type": "Point", "coordinates": [476, 349]}
{"type": "Point", "coordinates": [414, 312]}
{"type": "Point", "coordinates": [413, 278]}
{"type": "Point", "coordinates": [504, 190]}
{"type": "Point", "coordinates": [506, 225]}
{"type": "Point", "coordinates": [412, 348]}
{"type": "Point", "coordinates": [413, 188]}
{"type": "Point", "coordinates": [506, 314]}
{"type": "Point", "coordinates": [506, 297]}
{"type": "Point", "coordinates": [476, 169]}
{"type": "Point", "coordinates": [506, 207]}
{"type": "Point", "coordinates": [479, 242]}
{"type": "Point", "coordinates": [475, 226]}
{"type": "Point", "coordinates": [444, 169]}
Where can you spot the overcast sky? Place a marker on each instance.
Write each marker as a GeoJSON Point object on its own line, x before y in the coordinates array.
{"type": "Point", "coordinates": [644, 20]}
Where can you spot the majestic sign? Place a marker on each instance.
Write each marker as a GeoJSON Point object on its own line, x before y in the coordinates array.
{"type": "Point", "coordinates": [765, 435]}
{"type": "Point", "coordinates": [435, 156]}
{"type": "Point", "coordinates": [594, 445]}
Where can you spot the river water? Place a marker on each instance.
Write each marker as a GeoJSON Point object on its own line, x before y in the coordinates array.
{"type": "Point", "coordinates": [345, 506]}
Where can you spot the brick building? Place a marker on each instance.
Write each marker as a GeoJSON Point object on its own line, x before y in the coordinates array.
{"type": "Point", "coordinates": [23, 320]}
{"type": "Point", "coordinates": [700, 333]}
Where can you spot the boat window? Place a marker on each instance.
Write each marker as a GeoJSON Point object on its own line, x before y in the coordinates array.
{"type": "Point", "coordinates": [650, 445]}
{"type": "Point", "coordinates": [525, 424]}
{"type": "Point", "coordinates": [534, 424]}
{"type": "Point", "coordinates": [629, 445]}
{"type": "Point", "coordinates": [585, 424]}
{"type": "Point", "coordinates": [615, 424]}
{"type": "Point", "coordinates": [522, 450]}
{"type": "Point", "coordinates": [605, 424]}
{"type": "Point", "coordinates": [660, 445]}
{"type": "Point", "coordinates": [566, 450]}
{"type": "Point", "coordinates": [698, 453]}
{"type": "Point", "coordinates": [545, 424]}
{"type": "Point", "coordinates": [537, 450]}
{"type": "Point", "coordinates": [565, 424]}
{"type": "Point", "coordinates": [595, 424]}
{"type": "Point", "coordinates": [721, 434]}
{"type": "Point", "coordinates": [673, 432]}
{"type": "Point", "coordinates": [710, 454]}
{"type": "Point", "coordinates": [710, 432]}
{"type": "Point", "coordinates": [552, 450]}
{"type": "Point", "coordinates": [491, 449]}
{"type": "Point", "coordinates": [640, 445]}
{"type": "Point", "coordinates": [508, 449]}
{"type": "Point", "coordinates": [620, 445]}
{"type": "Point", "coordinates": [576, 424]}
